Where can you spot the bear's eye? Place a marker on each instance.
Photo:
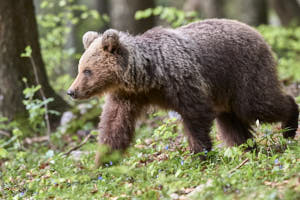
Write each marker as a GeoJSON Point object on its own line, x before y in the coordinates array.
{"type": "Point", "coordinates": [87, 72]}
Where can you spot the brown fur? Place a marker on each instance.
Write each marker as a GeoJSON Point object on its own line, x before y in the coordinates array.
{"type": "Point", "coordinates": [213, 69]}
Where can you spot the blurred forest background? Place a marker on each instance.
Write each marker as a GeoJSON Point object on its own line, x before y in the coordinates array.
{"type": "Point", "coordinates": [40, 46]}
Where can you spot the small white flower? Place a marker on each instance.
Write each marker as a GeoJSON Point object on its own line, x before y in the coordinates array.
{"type": "Point", "coordinates": [257, 122]}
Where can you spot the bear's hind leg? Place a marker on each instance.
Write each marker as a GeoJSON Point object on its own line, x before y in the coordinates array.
{"type": "Point", "coordinates": [291, 122]}
{"type": "Point", "coordinates": [232, 130]}
{"type": "Point", "coordinates": [279, 108]}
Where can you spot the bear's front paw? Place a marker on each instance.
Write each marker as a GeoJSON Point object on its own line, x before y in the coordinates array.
{"type": "Point", "coordinates": [105, 156]}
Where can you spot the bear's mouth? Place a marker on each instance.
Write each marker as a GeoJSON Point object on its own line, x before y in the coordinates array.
{"type": "Point", "coordinates": [86, 95]}
{"type": "Point", "coordinates": [82, 96]}
{"type": "Point", "coordinates": [90, 93]}
{"type": "Point", "coordinates": [99, 92]}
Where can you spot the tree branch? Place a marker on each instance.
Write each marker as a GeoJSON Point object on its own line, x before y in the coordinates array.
{"type": "Point", "coordinates": [239, 166]}
{"type": "Point", "coordinates": [4, 133]}
{"type": "Point", "coordinates": [78, 146]}
{"type": "Point", "coordinates": [43, 97]}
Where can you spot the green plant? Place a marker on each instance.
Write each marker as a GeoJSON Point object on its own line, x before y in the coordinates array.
{"type": "Point", "coordinates": [285, 42]}
{"type": "Point", "coordinates": [156, 167]}
{"type": "Point", "coordinates": [173, 16]}
{"type": "Point", "coordinates": [36, 107]}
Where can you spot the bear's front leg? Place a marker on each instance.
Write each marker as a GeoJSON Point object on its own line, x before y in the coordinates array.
{"type": "Point", "coordinates": [117, 123]}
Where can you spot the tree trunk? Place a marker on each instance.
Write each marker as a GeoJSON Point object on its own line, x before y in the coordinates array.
{"type": "Point", "coordinates": [73, 42]}
{"type": "Point", "coordinates": [18, 28]}
{"type": "Point", "coordinates": [122, 15]}
{"type": "Point", "coordinates": [206, 8]}
{"type": "Point", "coordinates": [252, 12]}
{"type": "Point", "coordinates": [288, 11]}
{"type": "Point", "coordinates": [103, 8]}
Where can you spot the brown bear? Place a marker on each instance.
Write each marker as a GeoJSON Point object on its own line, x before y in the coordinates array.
{"type": "Point", "coordinates": [213, 69]}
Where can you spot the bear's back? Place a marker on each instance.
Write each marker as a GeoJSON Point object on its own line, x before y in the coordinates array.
{"type": "Point", "coordinates": [233, 58]}
{"type": "Point", "coordinates": [226, 55]}
{"type": "Point", "coordinates": [226, 47]}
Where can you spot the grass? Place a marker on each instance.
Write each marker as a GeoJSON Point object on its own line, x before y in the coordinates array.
{"type": "Point", "coordinates": [157, 166]}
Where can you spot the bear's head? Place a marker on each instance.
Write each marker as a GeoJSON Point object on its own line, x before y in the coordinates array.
{"type": "Point", "coordinates": [100, 66]}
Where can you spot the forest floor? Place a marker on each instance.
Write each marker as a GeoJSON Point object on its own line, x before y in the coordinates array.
{"type": "Point", "coordinates": [157, 167]}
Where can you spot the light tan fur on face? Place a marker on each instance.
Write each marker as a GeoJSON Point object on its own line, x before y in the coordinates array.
{"type": "Point", "coordinates": [103, 66]}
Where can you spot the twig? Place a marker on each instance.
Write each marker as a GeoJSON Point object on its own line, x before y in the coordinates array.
{"type": "Point", "coordinates": [36, 139]}
{"type": "Point", "coordinates": [43, 97]}
{"type": "Point", "coordinates": [4, 133]}
{"type": "Point", "coordinates": [78, 146]}
{"type": "Point", "coordinates": [240, 165]}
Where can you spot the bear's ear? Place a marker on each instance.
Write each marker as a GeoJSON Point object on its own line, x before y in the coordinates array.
{"type": "Point", "coordinates": [88, 38]}
{"type": "Point", "coordinates": [110, 40]}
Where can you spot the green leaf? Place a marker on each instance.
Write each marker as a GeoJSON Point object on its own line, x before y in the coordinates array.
{"type": "Point", "coordinates": [138, 15]}
{"type": "Point", "coordinates": [84, 15]}
{"type": "Point", "coordinates": [228, 153]}
{"type": "Point", "coordinates": [94, 132]}
{"type": "Point", "coordinates": [157, 10]}
{"type": "Point", "coordinates": [250, 142]}
{"type": "Point", "coordinates": [27, 52]}
{"type": "Point", "coordinates": [62, 3]}
{"type": "Point", "coordinates": [3, 153]}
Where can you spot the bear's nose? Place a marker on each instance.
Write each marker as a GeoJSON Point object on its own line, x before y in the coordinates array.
{"type": "Point", "coordinates": [71, 93]}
